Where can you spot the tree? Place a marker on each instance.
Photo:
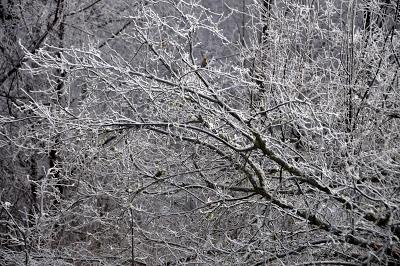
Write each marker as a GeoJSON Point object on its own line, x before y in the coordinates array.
{"type": "Point", "coordinates": [282, 149]}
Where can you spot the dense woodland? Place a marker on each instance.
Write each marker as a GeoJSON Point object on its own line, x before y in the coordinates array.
{"type": "Point", "coordinates": [199, 132]}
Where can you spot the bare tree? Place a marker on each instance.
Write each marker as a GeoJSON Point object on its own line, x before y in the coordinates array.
{"type": "Point", "coordinates": [230, 133]}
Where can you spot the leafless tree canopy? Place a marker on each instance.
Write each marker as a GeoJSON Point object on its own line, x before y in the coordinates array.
{"type": "Point", "coordinates": [199, 132]}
